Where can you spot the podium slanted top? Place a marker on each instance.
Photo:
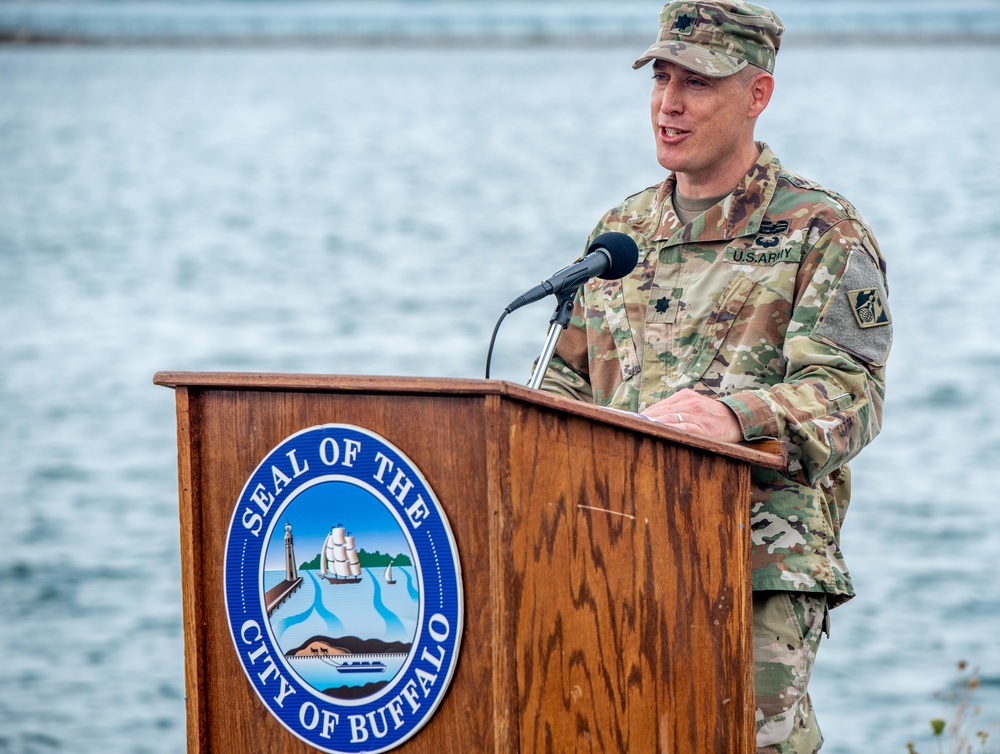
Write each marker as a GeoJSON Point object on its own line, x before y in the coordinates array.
{"type": "Point", "coordinates": [770, 454]}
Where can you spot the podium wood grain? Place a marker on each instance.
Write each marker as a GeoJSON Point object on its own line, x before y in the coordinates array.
{"type": "Point", "coordinates": [604, 559]}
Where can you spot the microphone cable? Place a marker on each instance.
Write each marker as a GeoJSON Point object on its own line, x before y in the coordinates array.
{"type": "Point", "coordinates": [493, 338]}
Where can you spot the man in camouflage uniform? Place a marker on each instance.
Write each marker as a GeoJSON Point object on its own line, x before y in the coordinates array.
{"type": "Point", "coordinates": [757, 310]}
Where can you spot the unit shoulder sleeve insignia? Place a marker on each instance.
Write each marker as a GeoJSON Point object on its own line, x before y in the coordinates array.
{"type": "Point", "coordinates": [869, 311]}
{"type": "Point", "coordinates": [856, 317]}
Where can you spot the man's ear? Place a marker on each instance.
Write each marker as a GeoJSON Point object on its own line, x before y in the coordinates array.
{"type": "Point", "coordinates": [761, 88]}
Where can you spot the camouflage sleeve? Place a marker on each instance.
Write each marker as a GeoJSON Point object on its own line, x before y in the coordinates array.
{"type": "Point", "coordinates": [828, 406]}
{"type": "Point", "coordinates": [562, 380]}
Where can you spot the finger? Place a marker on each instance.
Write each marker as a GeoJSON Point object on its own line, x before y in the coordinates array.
{"type": "Point", "coordinates": [671, 417]}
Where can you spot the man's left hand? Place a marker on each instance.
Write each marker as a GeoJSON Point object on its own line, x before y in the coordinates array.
{"type": "Point", "coordinates": [697, 414]}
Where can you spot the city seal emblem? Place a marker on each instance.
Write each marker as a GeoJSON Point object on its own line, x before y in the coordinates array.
{"type": "Point", "coordinates": [343, 590]}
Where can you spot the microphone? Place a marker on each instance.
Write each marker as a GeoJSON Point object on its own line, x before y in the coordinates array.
{"type": "Point", "coordinates": [610, 256]}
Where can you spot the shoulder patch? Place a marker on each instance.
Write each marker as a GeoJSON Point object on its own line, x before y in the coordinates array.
{"type": "Point", "coordinates": [868, 308]}
{"type": "Point", "coordinates": [856, 317]}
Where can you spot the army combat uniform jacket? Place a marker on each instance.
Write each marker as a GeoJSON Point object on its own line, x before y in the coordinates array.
{"type": "Point", "coordinates": [773, 301]}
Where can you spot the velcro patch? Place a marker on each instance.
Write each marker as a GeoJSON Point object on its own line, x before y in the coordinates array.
{"type": "Point", "coordinates": [856, 317]}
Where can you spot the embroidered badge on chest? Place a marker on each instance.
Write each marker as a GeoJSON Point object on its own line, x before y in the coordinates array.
{"type": "Point", "coordinates": [769, 233]}
{"type": "Point", "coordinates": [868, 308]}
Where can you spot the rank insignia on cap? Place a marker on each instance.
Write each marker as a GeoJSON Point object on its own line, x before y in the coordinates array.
{"type": "Point", "coordinates": [868, 308]}
{"type": "Point", "coordinates": [684, 24]}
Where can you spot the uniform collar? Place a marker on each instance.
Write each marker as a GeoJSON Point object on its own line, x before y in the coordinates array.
{"type": "Point", "coordinates": [739, 214]}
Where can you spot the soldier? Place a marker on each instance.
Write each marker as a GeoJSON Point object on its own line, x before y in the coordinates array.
{"type": "Point", "coordinates": [757, 310]}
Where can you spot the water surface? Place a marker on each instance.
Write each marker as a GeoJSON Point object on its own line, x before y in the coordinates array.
{"type": "Point", "coordinates": [372, 211]}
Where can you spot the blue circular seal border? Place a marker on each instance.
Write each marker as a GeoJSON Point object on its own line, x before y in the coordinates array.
{"type": "Point", "coordinates": [396, 713]}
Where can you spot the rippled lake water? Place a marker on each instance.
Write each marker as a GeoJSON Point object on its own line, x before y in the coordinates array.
{"type": "Point", "coordinates": [372, 211]}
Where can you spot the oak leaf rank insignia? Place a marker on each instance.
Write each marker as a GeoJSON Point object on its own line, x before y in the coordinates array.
{"type": "Point", "coordinates": [684, 24]}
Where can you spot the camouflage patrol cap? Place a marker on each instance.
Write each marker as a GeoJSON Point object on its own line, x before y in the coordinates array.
{"type": "Point", "coordinates": [716, 38]}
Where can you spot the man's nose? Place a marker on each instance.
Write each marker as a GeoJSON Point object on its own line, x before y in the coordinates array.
{"type": "Point", "coordinates": [670, 99]}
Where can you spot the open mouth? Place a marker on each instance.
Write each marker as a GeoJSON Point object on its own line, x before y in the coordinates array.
{"type": "Point", "coordinates": [672, 134]}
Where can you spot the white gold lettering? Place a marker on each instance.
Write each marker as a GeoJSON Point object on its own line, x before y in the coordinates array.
{"type": "Point", "coordinates": [297, 470]}
{"type": "Point", "coordinates": [325, 447]}
{"type": "Point", "coordinates": [351, 448]}
{"type": "Point", "coordinates": [359, 732]}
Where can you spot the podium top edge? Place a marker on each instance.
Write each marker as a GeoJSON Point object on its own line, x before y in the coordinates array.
{"type": "Point", "coordinates": [770, 454]}
{"type": "Point", "coordinates": [336, 383]}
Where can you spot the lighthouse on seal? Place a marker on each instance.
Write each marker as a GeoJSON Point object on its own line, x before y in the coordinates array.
{"type": "Point", "coordinates": [291, 571]}
{"type": "Point", "coordinates": [281, 591]}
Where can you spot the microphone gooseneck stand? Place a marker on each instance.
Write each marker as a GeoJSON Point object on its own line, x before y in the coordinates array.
{"type": "Point", "coordinates": [558, 323]}
{"type": "Point", "coordinates": [610, 256]}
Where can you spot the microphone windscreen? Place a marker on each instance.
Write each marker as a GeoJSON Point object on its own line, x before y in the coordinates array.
{"type": "Point", "coordinates": [623, 251]}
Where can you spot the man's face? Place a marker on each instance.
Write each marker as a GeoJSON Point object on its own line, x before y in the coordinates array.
{"type": "Point", "coordinates": [704, 127]}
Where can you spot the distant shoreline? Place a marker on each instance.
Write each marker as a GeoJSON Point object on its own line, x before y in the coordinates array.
{"type": "Point", "coordinates": [23, 38]}
{"type": "Point", "coordinates": [461, 23]}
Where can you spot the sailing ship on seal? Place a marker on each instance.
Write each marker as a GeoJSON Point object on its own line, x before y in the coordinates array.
{"type": "Point", "coordinates": [338, 559]}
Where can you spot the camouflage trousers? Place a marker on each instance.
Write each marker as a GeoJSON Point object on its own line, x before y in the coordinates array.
{"type": "Point", "coordinates": [786, 633]}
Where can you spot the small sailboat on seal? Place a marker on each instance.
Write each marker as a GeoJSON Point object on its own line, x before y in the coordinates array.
{"type": "Point", "coordinates": [388, 574]}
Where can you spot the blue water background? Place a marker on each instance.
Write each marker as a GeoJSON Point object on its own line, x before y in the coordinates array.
{"type": "Point", "coordinates": [372, 211]}
{"type": "Point", "coordinates": [368, 609]}
{"type": "Point", "coordinates": [322, 673]}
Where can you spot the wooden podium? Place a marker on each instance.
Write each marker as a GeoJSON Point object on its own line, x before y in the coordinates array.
{"type": "Point", "coordinates": [605, 562]}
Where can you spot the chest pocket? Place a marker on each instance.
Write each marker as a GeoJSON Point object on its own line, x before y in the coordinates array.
{"type": "Point", "coordinates": [708, 339]}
